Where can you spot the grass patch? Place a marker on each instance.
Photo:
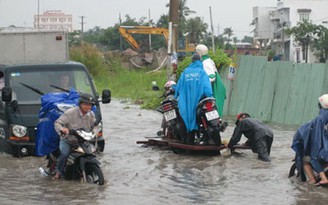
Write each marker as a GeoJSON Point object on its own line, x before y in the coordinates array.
{"type": "Point", "coordinates": [133, 85]}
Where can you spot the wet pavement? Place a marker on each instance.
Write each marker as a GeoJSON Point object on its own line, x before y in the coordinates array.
{"type": "Point", "coordinates": [151, 175]}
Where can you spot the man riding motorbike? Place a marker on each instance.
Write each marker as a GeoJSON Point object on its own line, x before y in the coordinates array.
{"type": "Point", "coordinates": [218, 88]}
{"type": "Point", "coordinates": [80, 117]}
{"type": "Point", "coordinates": [310, 144]}
{"type": "Point", "coordinates": [193, 84]}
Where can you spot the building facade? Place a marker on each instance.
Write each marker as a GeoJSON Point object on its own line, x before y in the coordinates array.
{"type": "Point", "coordinates": [53, 20]}
{"type": "Point", "coordinates": [270, 23]}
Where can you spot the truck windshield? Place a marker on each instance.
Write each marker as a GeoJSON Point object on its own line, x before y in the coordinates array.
{"type": "Point", "coordinates": [29, 85]}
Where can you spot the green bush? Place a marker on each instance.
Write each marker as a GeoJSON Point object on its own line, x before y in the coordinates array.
{"type": "Point", "coordinates": [220, 59]}
{"type": "Point", "coordinates": [90, 57]}
{"type": "Point", "coordinates": [132, 85]}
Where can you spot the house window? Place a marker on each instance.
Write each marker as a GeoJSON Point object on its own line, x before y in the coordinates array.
{"type": "Point", "coordinates": [304, 14]}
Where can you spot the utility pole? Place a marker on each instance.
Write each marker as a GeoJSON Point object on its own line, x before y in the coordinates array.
{"type": "Point", "coordinates": [121, 43]}
{"type": "Point", "coordinates": [82, 24]}
{"type": "Point", "coordinates": [174, 18]}
{"type": "Point", "coordinates": [38, 14]}
{"type": "Point", "coordinates": [213, 44]}
{"type": "Point", "coordinates": [149, 22]}
{"type": "Point", "coordinates": [173, 37]}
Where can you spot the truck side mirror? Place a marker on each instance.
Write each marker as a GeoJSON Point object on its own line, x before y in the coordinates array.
{"type": "Point", "coordinates": [106, 96]}
{"type": "Point", "coordinates": [6, 94]}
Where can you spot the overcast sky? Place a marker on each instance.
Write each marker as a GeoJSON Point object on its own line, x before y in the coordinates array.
{"type": "Point", "coordinates": [236, 14]}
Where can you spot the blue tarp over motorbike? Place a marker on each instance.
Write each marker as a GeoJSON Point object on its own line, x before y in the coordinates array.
{"type": "Point", "coordinates": [52, 106]}
{"type": "Point", "coordinates": [192, 85]}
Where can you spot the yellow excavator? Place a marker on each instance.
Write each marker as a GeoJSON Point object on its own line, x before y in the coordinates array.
{"type": "Point", "coordinates": [127, 31]}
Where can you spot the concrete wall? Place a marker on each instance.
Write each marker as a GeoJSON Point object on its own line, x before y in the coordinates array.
{"type": "Point", "coordinates": [280, 91]}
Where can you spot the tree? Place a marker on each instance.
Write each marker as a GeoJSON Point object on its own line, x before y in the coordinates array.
{"type": "Point", "coordinates": [184, 11]}
{"type": "Point", "coordinates": [196, 28]}
{"type": "Point", "coordinates": [228, 32]}
{"type": "Point", "coordinates": [320, 43]}
{"type": "Point", "coordinates": [303, 35]}
{"type": "Point", "coordinates": [247, 39]}
{"type": "Point", "coordinates": [163, 21]}
{"type": "Point", "coordinates": [308, 34]}
{"type": "Point", "coordinates": [235, 40]}
{"type": "Point", "coordinates": [218, 41]}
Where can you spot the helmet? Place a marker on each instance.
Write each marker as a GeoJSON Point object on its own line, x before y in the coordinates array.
{"type": "Point", "coordinates": [86, 98]}
{"type": "Point", "coordinates": [241, 115]}
{"type": "Point", "coordinates": [195, 57]}
{"type": "Point", "coordinates": [201, 49]}
{"type": "Point", "coordinates": [168, 85]}
{"type": "Point", "coordinates": [323, 101]}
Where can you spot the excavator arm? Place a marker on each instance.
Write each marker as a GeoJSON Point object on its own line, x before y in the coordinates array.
{"type": "Point", "coordinates": [126, 32]}
{"type": "Point", "coordinates": [129, 38]}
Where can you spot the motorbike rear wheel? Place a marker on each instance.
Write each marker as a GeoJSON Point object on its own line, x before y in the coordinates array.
{"type": "Point", "coordinates": [94, 174]}
{"type": "Point", "coordinates": [214, 134]}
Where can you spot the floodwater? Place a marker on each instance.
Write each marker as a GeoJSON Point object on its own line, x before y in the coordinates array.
{"type": "Point", "coordinates": [150, 175]}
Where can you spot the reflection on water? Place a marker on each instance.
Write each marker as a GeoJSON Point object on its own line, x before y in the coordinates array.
{"type": "Point", "coordinates": [138, 175]}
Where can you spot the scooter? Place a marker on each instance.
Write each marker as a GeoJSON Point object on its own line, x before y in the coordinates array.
{"type": "Point", "coordinates": [299, 173]}
{"type": "Point", "coordinates": [81, 163]}
{"type": "Point", "coordinates": [172, 123]}
{"type": "Point", "coordinates": [209, 122]}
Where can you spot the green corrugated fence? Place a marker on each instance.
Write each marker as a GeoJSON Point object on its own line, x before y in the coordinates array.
{"type": "Point", "coordinates": [280, 91]}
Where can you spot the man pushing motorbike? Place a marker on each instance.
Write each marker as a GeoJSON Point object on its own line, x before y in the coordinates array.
{"type": "Point", "coordinates": [80, 117]}
{"type": "Point", "coordinates": [259, 135]}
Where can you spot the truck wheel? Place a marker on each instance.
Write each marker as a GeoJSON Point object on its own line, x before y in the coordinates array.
{"type": "Point", "coordinates": [15, 152]}
{"type": "Point", "coordinates": [5, 147]}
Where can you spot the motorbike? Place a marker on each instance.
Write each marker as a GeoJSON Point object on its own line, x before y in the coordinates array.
{"type": "Point", "coordinates": [209, 122]}
{"type": "Point", "coordinates": [299, 173]}
{"type": "Point", "coordinates": [172, 123]}
{"type": "Point", "coordinates": [81, 163]}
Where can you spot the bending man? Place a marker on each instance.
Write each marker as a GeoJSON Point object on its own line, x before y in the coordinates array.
{"type": "Point", "coordinates": [259, 135]}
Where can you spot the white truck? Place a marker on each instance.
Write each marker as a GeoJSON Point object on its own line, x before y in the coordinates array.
{"type": "Point", "coordinates": [31, 64]}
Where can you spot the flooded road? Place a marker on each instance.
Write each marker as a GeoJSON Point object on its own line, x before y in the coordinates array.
{"type": "Point", "coordinates": [139, 175]}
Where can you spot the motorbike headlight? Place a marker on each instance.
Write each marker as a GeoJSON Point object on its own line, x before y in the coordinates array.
{"type": "Point", "coordinates": [19, 131]}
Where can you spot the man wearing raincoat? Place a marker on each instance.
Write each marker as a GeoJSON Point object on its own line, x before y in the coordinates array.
{"type": "Point", "coordinates": [310, 143]}
{"type": "Point", "coordinates": [219, 90]}
{"type": "Point", "coordinates": [192, 85]}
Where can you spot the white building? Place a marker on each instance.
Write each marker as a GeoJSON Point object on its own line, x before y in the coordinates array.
{"type": "Point", "coordinates": [269, 23]}
{"type": "Point", "coordinates": [53, 20]}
